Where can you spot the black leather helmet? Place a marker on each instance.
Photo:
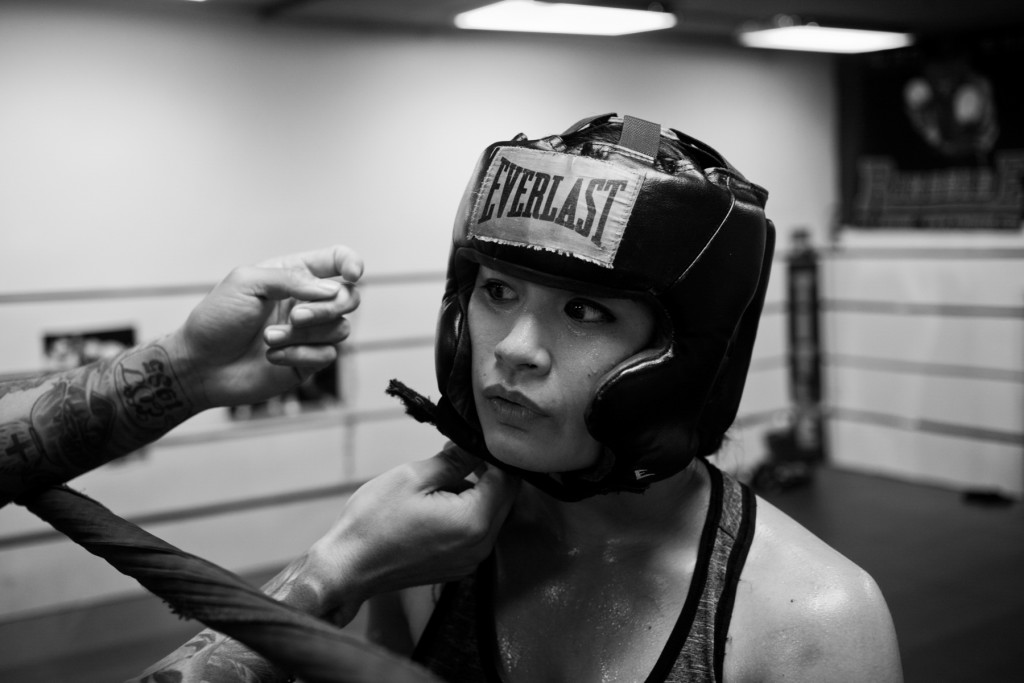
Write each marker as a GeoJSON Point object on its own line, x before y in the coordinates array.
{"type": "Point", "coordinates": [623, 207]}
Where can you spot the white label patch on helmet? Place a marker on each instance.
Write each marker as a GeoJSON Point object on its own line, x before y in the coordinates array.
{"type": "Point", "coordinates": [563, 203]}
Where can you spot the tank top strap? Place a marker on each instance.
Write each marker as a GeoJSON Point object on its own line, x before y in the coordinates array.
{"type": "Point", "coordinates": [450, 644]}
{"type": "Point", "coordinates": [721, 558]}
{"type": "Point", "coordinates": [459, 643]}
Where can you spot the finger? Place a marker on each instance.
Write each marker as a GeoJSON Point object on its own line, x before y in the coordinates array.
{"type": "Point", "coordinates": [496, 490]}
{"type": "Point", "coordinates": [486, 505]}
{"type": "Point", "coordinates": [333, 332]}
{"type": "Point", "coordinates": [283, 283]}
{"type": "Point", "coordinates": [328, 262]}
{"type": "Point", "coordinates": [326, 311]}
{"type": "Point", "coordinates": [308, 357]}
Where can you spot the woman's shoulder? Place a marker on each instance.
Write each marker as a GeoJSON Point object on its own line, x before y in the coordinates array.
{"type": "Point", "coordinates": [781, 543]}
{"type": "Point", "coordinates": [803, 611]}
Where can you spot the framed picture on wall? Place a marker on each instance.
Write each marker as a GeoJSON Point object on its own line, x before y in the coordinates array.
{"type": "Point", "coordinates": [67, 350]}
{"type": "Point", "coordinates": [933, 136]}
{"type": "Point", "coordinates": [319, 392]}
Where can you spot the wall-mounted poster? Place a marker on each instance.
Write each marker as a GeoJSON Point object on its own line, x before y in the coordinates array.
{"type": "Point", "coordinates": [67, 350]}
{"type": "Point", "coordinates": [320, 391]}
{"type": "Point", "coordinates": [933, 136]}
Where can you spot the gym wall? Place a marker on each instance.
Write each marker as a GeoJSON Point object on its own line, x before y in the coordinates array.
{"type": "Point", "coordinates": [150, 148]}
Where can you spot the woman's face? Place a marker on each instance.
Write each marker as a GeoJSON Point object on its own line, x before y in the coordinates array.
{"type": "Point", "coordinates": [538, 355]}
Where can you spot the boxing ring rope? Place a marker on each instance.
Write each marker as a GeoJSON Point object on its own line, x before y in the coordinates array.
{"type": "Point", "coordinates": [309, 648]}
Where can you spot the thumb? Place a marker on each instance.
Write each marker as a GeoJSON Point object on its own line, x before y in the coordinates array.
{"type": "Point", "coordinates": [496, 491]}
{"type": "Point", "coordinates": [448, 469]}
{"type": "Point", "coordinates": [282, 283]}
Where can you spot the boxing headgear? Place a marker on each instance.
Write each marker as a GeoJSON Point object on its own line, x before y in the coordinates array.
{"type": "Point", "coordinates": [601, 210]}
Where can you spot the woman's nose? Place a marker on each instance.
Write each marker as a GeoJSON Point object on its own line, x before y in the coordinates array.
{"type": "Point", "coordinates": [523, 349]}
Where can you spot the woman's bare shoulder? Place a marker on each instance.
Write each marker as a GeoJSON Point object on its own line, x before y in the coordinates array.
{"type": "Point", "coordinates": [804, 612]}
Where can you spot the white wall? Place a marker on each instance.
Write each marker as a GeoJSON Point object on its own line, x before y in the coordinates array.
{"type": "Point", "coordinates": [925, 370]}
{"type": "Point", "coordinates": [143, 148]}
{"type": "Point", "coordinates": [162, 145]}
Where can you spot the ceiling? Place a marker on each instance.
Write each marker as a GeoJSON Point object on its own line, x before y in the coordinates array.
{"type": "Point", "coordinates": [715, 19]}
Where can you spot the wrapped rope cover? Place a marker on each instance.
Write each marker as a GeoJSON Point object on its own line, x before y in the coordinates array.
{"type": "Point", "coordinates": [311, 649]}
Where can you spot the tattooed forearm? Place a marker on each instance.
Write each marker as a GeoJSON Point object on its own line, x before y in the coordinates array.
{"type": "Point", "coordinates": [211, 657]}
{"type": "Point", "coordinates": [55, 427]}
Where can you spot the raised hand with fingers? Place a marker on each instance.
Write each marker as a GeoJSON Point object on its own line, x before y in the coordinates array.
{"type": "Point", "coordinates": [261, 331]}
{"type": "Point", "coordinates": [265, 328]}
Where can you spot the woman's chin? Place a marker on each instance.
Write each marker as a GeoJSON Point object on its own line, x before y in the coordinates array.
{"type": "Point", "coordinates": [516, 450]}
{"type": "Point", "coordinates": [531, 454]}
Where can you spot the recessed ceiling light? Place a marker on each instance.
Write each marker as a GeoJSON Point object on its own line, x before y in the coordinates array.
{"type": "Point", "coordinates": [814, 38]}
{"type": "Point", "coordinates": [557, 17]}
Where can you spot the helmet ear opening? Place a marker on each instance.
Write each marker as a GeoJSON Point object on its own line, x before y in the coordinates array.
{"type": "Point", "coordinates": [657, 351]}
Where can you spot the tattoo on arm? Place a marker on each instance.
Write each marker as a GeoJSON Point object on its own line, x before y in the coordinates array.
{"type": "Point", "coordinates": [212, 657]}
{"type": "Point", "coordinates": [55, 427]}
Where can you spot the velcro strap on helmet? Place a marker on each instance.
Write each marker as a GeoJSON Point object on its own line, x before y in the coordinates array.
{"type": "Point", "coordinates": [640, 136]}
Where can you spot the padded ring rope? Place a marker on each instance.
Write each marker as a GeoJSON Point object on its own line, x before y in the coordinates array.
{"type": "Point", "coordinates": [310, 648]}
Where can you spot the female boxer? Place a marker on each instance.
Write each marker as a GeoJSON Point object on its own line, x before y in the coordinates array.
{"type": "Point", "coordinates": [604, 288]}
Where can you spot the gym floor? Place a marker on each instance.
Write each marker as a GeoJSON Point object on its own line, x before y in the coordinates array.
{"type": "Point", "coordinates": [951, 568]}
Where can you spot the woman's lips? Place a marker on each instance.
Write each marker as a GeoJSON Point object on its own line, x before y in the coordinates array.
{"type": "Point", "coordinates": [512, 405]}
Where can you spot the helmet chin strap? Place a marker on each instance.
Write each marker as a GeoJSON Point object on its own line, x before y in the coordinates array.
{"type": "Point", "coordinates": [570, 489]}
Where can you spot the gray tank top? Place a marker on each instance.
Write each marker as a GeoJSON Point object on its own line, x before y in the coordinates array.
{"type": "Point", "coordinates": [459, 642]}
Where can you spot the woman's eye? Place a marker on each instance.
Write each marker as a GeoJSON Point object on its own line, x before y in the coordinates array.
{"type": "Point", "coordinates": [588, 312]}
{"type": "Point", "coordinates": [498, 291]}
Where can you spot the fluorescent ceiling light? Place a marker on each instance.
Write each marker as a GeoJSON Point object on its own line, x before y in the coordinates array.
{"type": "Point", "coordinates": [557, 17]}
{"type": "Point", "coordinates": [813, 38]}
